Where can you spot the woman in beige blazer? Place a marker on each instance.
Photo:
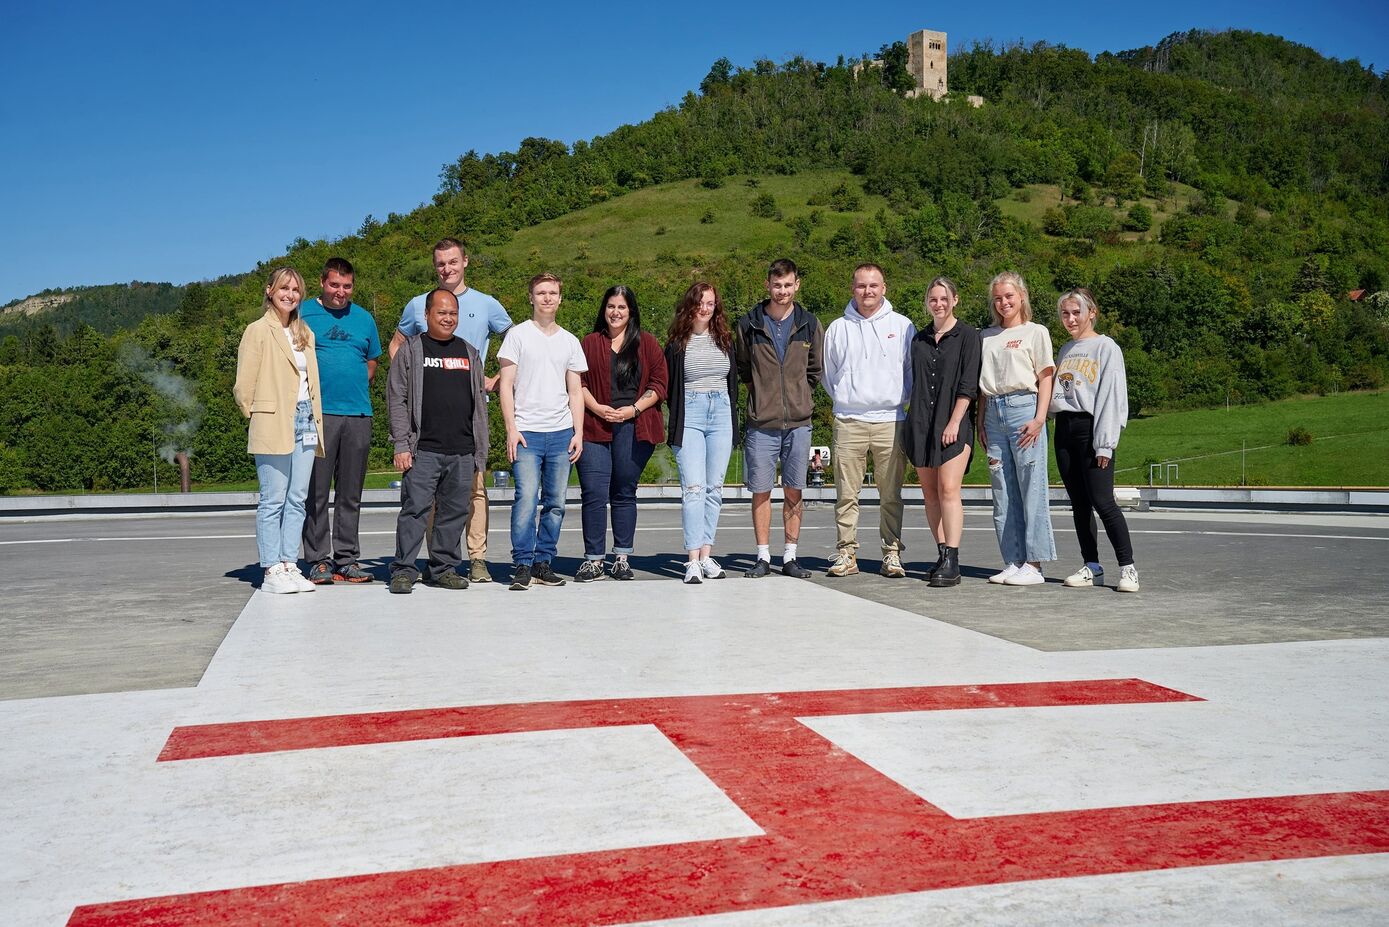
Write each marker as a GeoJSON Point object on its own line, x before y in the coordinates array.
{"type": "Point", "coordinates": [277, 389]}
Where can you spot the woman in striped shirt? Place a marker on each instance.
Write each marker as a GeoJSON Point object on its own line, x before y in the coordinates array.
{"type": "Point", "coordinates": [703, 419]}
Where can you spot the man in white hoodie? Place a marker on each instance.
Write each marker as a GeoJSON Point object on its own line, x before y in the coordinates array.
{"type": "Point", "coordinates": [868, 375]}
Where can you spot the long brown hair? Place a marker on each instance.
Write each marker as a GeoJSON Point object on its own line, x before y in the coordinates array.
{"type": "Point", "coordinates": [682, 326]}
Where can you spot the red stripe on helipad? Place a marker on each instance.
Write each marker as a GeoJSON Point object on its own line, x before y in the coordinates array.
{"type": "Point", "coordinates": [834, 829]}
{"type": "Point", "coordinates": [200, 741]}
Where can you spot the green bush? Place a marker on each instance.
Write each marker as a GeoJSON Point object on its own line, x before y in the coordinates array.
{"type": "Point", "coordinates": [1139, 219]}
{"type": "Point", "coordinates": [764, 207]}
{"type": "Point", "coordinates": [1299, 436]}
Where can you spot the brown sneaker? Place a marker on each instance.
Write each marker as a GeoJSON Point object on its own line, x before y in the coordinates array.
{"type": "Point", "coordinates": [478, 572]}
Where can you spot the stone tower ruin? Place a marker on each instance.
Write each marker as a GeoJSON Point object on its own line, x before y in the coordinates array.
{"type": "Point", "coordinates": [926, 62]}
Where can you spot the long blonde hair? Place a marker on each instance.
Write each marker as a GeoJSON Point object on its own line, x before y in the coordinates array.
{"type": "Point", "coordinates": [299, 332]}
{"type": "Point", "coordinates": [1016, 280]}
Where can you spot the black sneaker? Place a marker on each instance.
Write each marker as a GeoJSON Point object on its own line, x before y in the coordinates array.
{"type": "Point", "coordinates": [545, 576]}
{"type": "Point", "coordinates": [521, 579]}
{"type": "Point", "coordinates": [621, 569]}
{"type": "Point", "coordinates": [449, 579]}
{"type": "Point", "coordinates": [321, 573]}
{"type": "Point", "coordinates": [759, 569]}
{"type": "Point", "coordinates": [794, 569]}
{"type": "Point", "coordinates": [402, 583]}
{"type": "Point", "coordinates": [591, 570]}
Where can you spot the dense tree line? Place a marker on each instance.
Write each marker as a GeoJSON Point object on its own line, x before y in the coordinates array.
{"type": "Point", "coordinates": [1240, 297]}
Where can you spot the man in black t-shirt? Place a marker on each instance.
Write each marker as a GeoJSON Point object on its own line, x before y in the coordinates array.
{"type": "Point", "coordinates": [438, 413]}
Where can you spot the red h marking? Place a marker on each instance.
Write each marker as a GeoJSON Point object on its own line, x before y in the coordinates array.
{"type": "Point", "coordinates": [834, 828]}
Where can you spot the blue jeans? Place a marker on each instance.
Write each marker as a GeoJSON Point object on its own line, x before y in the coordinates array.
{"type": "Point", "coordinates": [1022, 518]}
{"type": "Point", "coordinates": [702, 459]}
{"type": "Point", "coordinates": [284, 485]}
{"type": "Point", "coordinates": [541, 473]}
{"type": "Point", "coordinates": [609, 474]}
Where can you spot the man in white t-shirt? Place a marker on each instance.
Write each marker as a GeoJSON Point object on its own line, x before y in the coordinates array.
{"type": "Point", "coordinates": [543, 407]}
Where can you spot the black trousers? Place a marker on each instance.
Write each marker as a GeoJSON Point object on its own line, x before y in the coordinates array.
{"type": "Point", "coordinates": [346, 441]}
{"type": "Point", "coordinates": [443, 484]}
{"type": "Point", "coordinates": [1091, 488]}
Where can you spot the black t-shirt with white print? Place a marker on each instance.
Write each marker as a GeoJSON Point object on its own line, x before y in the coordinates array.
{"type": "Point", "coordinates": [446, 409]}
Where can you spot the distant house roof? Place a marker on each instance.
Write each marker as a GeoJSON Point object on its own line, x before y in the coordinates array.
{"type": "Point", "coordinates": [1356, 295]}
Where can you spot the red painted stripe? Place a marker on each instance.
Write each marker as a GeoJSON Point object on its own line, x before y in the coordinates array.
{"type": "Point", "coordinates": [835, 829]}
{"type": "Point", "coordinates": [239, 737]}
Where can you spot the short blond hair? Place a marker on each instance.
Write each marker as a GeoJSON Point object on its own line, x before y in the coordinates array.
{"type": "Point", "coordinates": [546, 277]}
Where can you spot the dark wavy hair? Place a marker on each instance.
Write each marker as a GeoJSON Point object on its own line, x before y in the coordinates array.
{"type": "Point", "coordinates": [682, 326]}
{"type": "Point", "coordinates": [627, 362]}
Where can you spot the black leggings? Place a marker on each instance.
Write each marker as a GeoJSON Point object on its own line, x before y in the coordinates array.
{"type": "Point", "coordinates": [1090, 487]}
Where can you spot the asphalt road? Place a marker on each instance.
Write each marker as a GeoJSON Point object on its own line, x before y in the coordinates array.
{"type": "Point", "coordinates": [130, 603]}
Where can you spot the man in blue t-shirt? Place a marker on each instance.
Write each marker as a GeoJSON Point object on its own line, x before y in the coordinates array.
{"type": "Point", "coordinates": [479, 317]}
{"type": "Point", "coordinates": [346, 345]}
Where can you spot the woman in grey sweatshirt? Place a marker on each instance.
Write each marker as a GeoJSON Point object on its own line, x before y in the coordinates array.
{"type": "Point", "coordinates": [1091, 405]}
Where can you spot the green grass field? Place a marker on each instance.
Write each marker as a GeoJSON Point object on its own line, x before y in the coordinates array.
{"type": "Point", "coordinates": [641, 227]}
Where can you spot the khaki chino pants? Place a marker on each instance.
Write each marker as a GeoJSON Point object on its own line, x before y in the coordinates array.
{"type": "Point", "coordinates": [854, 441]}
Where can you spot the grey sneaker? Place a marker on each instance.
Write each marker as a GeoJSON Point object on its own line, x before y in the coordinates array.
{"type": "Point", "coordinates": [545, 576]}
{"type": "Point", "coordinates": [449, 579]}
{"type": "Point", "coordinates": [892, 565]}
{"type": "Point", "coordinates": [621, 569]}
{"type": "Point", "coordinates": [591, 571]}
{"type": "Point", "coordinates": [478, 572]}
{"type": "Point", "coordinates": [321, 573]}
{"type": "Point", "coordinates": [352, 573]}
{"type": "Point", "coordinates": [402, 583]}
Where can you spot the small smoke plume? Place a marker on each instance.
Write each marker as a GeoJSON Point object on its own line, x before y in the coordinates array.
{"type": "Point", "coordinates": [179, 406]}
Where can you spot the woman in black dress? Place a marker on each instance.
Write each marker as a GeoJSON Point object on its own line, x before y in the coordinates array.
{"type": "Point", "coordinates": [940, 429]}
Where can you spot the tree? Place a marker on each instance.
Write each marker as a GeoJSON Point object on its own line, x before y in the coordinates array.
{"type": "Point", "coordinates": [718, 76]}
{"type": "Point", "coordinates": [894, 70]}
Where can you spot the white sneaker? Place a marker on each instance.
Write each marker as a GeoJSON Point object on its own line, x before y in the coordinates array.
{"type": "Point", "coordinates": [276, 581]}
{"type": "Point", "coordinates": [711, 569]}
{"type": "Point", "coordinates": [1084, 577]}
{"type": "Point", "coordinates": [692, 570]}
{"type": "Point", "coordinates": [1128, 579]}
{"type": "Point", "coordinates": [300, 581]}
{"type": "Point", "coordinates": [1027, 575]}
{"type": "Point", "coordinates": [1008, 571]}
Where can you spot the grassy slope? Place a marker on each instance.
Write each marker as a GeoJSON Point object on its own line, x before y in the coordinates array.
{"type": "Point", "coordinates": [624, 230]}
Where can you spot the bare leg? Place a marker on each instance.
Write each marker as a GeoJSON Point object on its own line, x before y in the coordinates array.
{"type": "Point", "coordinates": [930, 495]}
{"type": "Point", "coordinates": [762, 517]}
{"type": "Point", "coordinates": [790, 516]}
{"type": "Point", "coordinates": [952, 511]}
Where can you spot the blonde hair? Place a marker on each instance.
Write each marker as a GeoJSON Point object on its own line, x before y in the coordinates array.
{"type": "Point", "coordinates": [299, 332]}
{"type": "Point", "coordinates": [1016, 280]}
{"type": "Point", "coordinates": [945, 282]}
{"type": "Point", "coordinates": [1082, 297]}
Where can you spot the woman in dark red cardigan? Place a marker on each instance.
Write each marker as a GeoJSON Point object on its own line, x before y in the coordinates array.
{"type": "Point", "coordinates": [623, 390]}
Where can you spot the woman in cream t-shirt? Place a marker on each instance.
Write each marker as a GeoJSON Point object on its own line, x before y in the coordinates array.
{"type": "Point", "coordinates": [1015, 380]}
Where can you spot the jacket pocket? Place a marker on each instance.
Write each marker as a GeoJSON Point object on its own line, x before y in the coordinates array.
{"type": "Point", "coordinates": [263, 405]}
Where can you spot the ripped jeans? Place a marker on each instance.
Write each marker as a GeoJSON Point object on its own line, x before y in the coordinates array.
{"type": "Point", "coordinates": [702, 459]}
{"type": "Point", "coordinates": [1022, 517]}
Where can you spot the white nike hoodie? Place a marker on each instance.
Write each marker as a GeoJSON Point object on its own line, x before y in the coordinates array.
{"type": "Point", "coordinates": [868, 364]}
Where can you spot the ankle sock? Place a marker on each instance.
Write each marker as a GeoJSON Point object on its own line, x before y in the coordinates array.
{"type": "Point", "coordinates": [789, 553]}
{"type": "Point", "coordinates": [764, 552]}
{"type": "Point", "coordinates": [1094, 567]}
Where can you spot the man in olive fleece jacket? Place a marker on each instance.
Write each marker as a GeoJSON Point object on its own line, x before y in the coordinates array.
{"type": "Point", "coordinates": [778, 350]}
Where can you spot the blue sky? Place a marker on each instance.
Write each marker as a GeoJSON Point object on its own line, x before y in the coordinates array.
{"type": "Point", "coordinates": [177, 141]}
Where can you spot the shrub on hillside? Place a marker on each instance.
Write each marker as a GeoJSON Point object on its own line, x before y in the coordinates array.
{"type": "Point", "coordinates": [1299, 436]}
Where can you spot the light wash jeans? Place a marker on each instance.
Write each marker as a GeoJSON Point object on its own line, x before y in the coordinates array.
{"type": "Point", "coordinates": [541, 473]}
{"type": "Point", "coordinates": [702, 459]}
{"type": "Point", "coordinates": [284, 485]}
{"type": "Point", "coordinates": [1022, 518]}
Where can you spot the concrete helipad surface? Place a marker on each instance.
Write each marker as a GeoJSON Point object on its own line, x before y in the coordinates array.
{"type": "Point", "coordinates": [743, 752]}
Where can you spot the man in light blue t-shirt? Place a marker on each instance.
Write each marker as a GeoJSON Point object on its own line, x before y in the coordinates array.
{"type": "Point", "coordinates": [479, 317]}
{"type": "Point", "coordinates": [346, 345]}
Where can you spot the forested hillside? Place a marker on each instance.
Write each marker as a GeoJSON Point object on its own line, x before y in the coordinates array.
{"type": "Point", "coordinates": [1222, 194]}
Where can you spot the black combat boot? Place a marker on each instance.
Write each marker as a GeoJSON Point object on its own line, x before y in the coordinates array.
{"type": "Point", "coordinates": [939, 560]}
{"type": "Point", "coordinates": [949, 572]}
